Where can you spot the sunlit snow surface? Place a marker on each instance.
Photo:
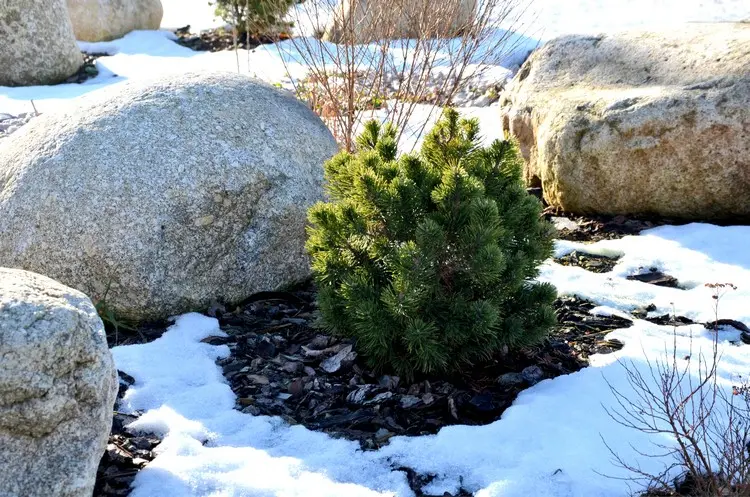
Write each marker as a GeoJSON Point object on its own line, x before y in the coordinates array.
{"type": "Point", "coordinates": [549, 443]}
{"type": "Point", "coordinates": [148, 54]}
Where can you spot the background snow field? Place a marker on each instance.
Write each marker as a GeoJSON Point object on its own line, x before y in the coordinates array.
{"type": "Point", "coordinates": [143, 54]}
{"type": "Point", "coordinates": [549, 443]}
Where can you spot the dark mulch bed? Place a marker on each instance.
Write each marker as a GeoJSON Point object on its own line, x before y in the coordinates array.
{"type": "Point", "coordinates": [595, 228]}
{"type": "Point", "coordinates": [218, 39]}
{"type": "Point", "coordinates": [604, 264]}
{"type": "Point", "coordinates": [590, 262]}
{"type": "Point", "coordinates": [87, 71]}
{"type": "Point", "coordinates": [600, 227]}
{"type": "Point", "coordinates": [126, 453]}
{"type": "Point", "coordinates": [586, 229]}
{"type": "Point", "coordinates": [281, 365]}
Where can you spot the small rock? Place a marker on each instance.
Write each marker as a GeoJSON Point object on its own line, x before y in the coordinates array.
{"type": "Point", "coordinates": [408, 401]}
{"type": "Point", "coordinates": [642, 312]}
{"type": "Point", "coordinates": [359, 395]}
{"type": "Point", "coordinates": [428, 399]}
{"type": "Point", "coordinates": [125, 378]}
{"type": "Point", "coordinates": [216, 309]}
{"type": "Point", "coordinates": [266, 348]}
{"type": "Point", "coordinates": [232, 367]}
{"type": "Point", "coordinates": [656, 278]}
{"type": "Point", "coordinates": [120, 421]}
{"type": "Point", "coordinates": [258, 379]}
{"type": "Point", "coordinates": [294, 320]}
{"type": "Point", "coordinates": [510, 379]}
{"type": "Point", "coordinates": [382, 435]}
{"type": "Point", "coordinates": [452, 407]}
{"type": "Point", "coordinates": [293, 367]}
{"type": "Point", "coordinates": [343, 359]}
{"type": "Point", "coordinates": [482, 402]}
{"type": "Point", "coordinates": [117, 454]}
{"type": "Point", "coordinates": [389, 382]}
{"type": "Point", "coordinates": [563, 223]}
{"type": "Point", "coordinates": [320, 342]}
{"type": "Point", "coordinates": [297, 387]}
{"type": "Point", "coordinates": [532, 374]}
{"type": "Point", "coordinates": [142, 443]}
{"type": "Point", "coordinates": [309, 371]}
{"type": "Point", "coordinates": [379, 398]}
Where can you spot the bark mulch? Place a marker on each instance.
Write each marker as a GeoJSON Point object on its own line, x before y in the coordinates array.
{"type": "Point", "coordinates": [218, 39]}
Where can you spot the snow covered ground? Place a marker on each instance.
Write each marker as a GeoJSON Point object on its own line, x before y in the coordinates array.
{"type": "Point", "coordinates": [545, 18]}
{"type": "Point", "coordinates": [550, 443]}
{"type": "Point", "coordinates": [145, 54]}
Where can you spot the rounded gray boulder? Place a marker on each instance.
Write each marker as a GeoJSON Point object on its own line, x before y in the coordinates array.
{"type": "Point", "coordinates": [57, 388]}
{"type": "Point", "coordinates": [163, 196]}
{"type": "Point", "coordinates": [38, 46]}
{"type": "Point", "coordinates": [104, 20]}
{"type": "Point", "coordinates": [638, 122]}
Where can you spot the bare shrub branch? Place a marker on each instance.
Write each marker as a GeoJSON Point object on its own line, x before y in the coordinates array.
{"type": "Point", "coordinates": [372, 69]}
{"type": "Point", "coordinates": [706, 427]}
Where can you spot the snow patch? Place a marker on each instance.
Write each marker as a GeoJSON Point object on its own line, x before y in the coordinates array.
{"type": "Point", "coordinates": [549, 443]}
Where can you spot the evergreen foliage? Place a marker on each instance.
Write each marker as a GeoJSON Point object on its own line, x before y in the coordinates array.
{"type": "Point", "coordinates": [426, 259]}
{"type": "Point", "coordinates": [256, 17]}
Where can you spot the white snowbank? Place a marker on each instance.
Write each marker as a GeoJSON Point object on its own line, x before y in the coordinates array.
{"type": "Point", "coordinates": [187, 399]}
{"type": "Point", "coordinates": [554, 18]}
{"type": "Point", "coordinates": [199, 14]}
{"type": "Point", "coordinates": [143, 54]}
{"type": "Point", "coordinates": [549, 443]}
{"type": "Point", "coordinates": [695, 254]}
{"type": "Point", "coordinates": [543, 19]}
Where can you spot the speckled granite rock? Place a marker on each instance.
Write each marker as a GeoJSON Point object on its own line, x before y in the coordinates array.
{"type": "Point", "coordinates": [57, 388]}
{"type": "Point", "coordinates": [104, 20]}
{"type": "Point", "coordinates": [165, 195]}
{"type": "Point", "coordinates": [38, 46]}
{"type": "Point", "coordinates": [639, 122]}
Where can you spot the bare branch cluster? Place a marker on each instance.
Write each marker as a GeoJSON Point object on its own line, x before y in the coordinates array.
{"type": "Point", "coordinates": [703, 428]}
{"type": "Point", "coordinates": [373, 67]}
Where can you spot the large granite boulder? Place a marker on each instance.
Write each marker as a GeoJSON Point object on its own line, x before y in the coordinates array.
{"type": "Point", "coordinates": [57, 388]}
{"type": "Point", "coordinates": [37, 46]}
{"type": "Point", "coordinates": [160, 197]}
{"type": "Point", "coordinates": [639, 122]}
{"type": "Point", "coordinates": [363, 21]}
{"type": "Point", "coordinates": [104, 20]}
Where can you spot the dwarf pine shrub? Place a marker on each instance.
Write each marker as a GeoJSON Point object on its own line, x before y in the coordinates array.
{"type": "Point", "coordinates": [427, 259]}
